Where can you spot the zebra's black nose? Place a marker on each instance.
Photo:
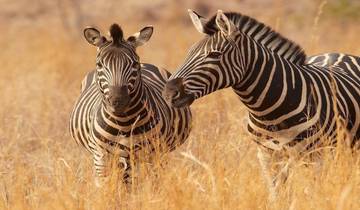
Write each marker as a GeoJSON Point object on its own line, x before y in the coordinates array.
{"type": "Point", "coordinates": [118, 98]}
{"type": "Point", "coordinates": [116, 101]}
{"type": "Point", "coordinates": [173, 88]}
{"type": "Point", "coordinates": [175, 95]}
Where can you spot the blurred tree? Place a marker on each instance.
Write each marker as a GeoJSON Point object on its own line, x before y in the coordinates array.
{"type": "Point", "coordinates": [344, 8]}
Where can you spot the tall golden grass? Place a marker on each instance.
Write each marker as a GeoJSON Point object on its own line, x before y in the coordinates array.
{"type": "Point", "coordinates": [41, 167]}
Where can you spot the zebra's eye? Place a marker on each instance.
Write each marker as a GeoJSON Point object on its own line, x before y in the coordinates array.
{"type": "Point", "coordinates": [99, 65]}
{"type": "Point", "coordinates": [136, 65]}
{"type": "Point", "coordinates": [214, 55]}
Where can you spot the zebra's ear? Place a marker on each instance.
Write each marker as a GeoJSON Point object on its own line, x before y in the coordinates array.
{"type": "Point", "coordinates": [93, 36]}
{"type": "Point", "coordinates": [141, 37]}
{"type": "Point", "coordinates": [198, 21]}
{"type": "Point", "coordinates": [225, 25]}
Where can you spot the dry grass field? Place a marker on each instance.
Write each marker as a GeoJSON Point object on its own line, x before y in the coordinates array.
{"type": "Point", "coordinates": [44, 57]}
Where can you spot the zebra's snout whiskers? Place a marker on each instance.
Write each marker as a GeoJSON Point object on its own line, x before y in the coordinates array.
{"type": "Point", "coordinates": [174, 94]}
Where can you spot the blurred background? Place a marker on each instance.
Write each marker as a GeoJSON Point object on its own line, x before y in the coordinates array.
{"type": "Point", "coordinates": [44, 57]}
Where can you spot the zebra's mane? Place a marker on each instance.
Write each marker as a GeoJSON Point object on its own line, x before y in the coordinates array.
{"type": "Point", "coordinates": [116, 34]}
{"type": "Point", "coordinates": [262, 34]}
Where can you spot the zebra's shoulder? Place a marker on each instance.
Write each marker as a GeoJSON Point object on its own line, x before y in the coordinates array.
{"type": "Point", "coordinates": [88, 80]}
{"type": "Point", "coordinates": [154, 73]}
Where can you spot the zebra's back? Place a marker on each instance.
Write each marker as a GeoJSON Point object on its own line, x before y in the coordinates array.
{"type": "Point", "coordinates": [338, 62]}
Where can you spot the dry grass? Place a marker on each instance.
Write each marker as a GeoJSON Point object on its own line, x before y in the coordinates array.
{"type": "Point", "coordinates": [41, 167]}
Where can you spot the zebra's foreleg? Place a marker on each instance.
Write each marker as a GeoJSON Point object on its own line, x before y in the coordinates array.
{"type": "Point", "coordinates": [265, 158]}
{"type": "Point", "coordinates": [109, 167]}
{"type": "Point", "coordinates": [281, 173]}
{"type": "Point", "coordinates": [125, 165]}
{"type": "Point", "coordinates": [102, 167]}
{"type": "Point", "coordinates": [275, 168]}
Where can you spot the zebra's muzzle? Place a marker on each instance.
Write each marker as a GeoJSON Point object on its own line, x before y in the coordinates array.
{"type": "Point", "coordinates": [118, 100]}
{"type": "Point", "coordinates": [175, 95]}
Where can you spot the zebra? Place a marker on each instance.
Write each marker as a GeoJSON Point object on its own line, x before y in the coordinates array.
{"type": "Point", "coordinates": [120, 110]}
{"type": "Point", "coordinates": [334, 60]}
{"type": "Point", "coordinates": [292, 105]}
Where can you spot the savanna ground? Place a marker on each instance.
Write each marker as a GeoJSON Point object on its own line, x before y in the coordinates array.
{"type": "Point", "coordinates": [43, 58]}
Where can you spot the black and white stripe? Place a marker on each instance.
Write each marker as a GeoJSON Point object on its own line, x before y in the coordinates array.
{"type": "Point", "coordinates": [292, 103]}
{"type": "Point", "coordinates": [139, 119]}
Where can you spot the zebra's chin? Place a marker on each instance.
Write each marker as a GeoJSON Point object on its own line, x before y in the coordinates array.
{"type": "Point", "coordinates": [185, 100]}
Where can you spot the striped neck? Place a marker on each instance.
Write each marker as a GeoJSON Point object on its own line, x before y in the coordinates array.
{"type": "Point", "coordinates": [267, 81]}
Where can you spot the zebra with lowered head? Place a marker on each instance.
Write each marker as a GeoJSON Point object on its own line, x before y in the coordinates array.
{"type": "Point", "coordinates": [292, 104]}
{"type": "Point", "coordinates": [120, 111]}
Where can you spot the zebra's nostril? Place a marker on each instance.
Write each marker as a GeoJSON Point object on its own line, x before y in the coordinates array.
{"type": "Point", "coordinates": [176, 93]}
{"type": "Point", "coordinates": [174, 87]}
{"type": "Point", "coordinates": [169, 93]}
{"type": "Point", "coordinates": [115, 103]}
